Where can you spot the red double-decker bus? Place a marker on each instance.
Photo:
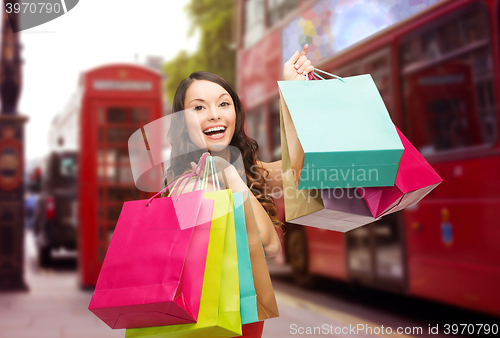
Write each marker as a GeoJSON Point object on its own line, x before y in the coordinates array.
{"type": "Point", "coordinates": [437, 67]}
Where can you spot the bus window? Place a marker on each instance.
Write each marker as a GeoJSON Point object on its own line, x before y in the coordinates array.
{"type": "Point", "coordinates": [69, 167]}
{"type": "Point", "coordinates": [378, 65]}
{"type": "Point", "coordinates": [448, 89]}
{"type": "Point", "coordinates": [352, 69]}
{"type": "Point", "coordinates": [279, 9]}
{"type": "Point", "coordinates": [254, 22]}
{"type": "Point", "coordinates": [359, 255]}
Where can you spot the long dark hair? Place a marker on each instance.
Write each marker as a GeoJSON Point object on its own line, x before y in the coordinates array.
{"type": "Point", "coordinates": [182, 153]}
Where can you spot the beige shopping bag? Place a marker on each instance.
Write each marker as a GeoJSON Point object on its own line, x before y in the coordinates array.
{"type": "Point", "coordinates": [297, 202]}
{"type": "Point", "coordinates": [266, 301]}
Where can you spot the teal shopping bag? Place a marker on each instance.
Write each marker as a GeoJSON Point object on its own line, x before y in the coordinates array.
{"type": "Point", "coordinates": [346, 132]}
{"type": "Point", "coordinates": [248, 297]}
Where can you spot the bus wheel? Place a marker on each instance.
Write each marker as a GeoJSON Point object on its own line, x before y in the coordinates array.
{"type": "Point", "coordinates": [298, 257]}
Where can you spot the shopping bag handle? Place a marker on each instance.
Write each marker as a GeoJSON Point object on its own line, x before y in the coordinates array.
{"type": "Point", "coordinates": [182, 178]}
{"type": "Point", "coordinates": [313, 74]}
{"type": "Point", "coordinates": [214, 173]}
{"type": "Point", "coordinates": [190, 175]}
{"type": "Point", "coordinates": [206, 167]}
{"type": "Point", "coordinates": [209, 166]}
{"type": "Point", "coordinates": [253, 213]}
{"type": "Point", "coordinates": [202, 177]}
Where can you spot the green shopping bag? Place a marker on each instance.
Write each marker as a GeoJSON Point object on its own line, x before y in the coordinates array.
{"type": "Point", "coordinates": [219, 314]}
{"type": "Point", "coordinates": [248, 297]}
{"type": "Point", "coordinates": [346, 132]}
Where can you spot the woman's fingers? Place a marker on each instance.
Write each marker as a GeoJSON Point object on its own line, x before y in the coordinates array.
{"type": "Point", "coordinates": [302, 57]}
{"type": "Point", "coordinates": [304, 50]}
{"type": "Point", "coordinates": [300, 62]}
{"type": "Point", "coordinates": [306, 67]}
{"type": "Point", "coordinates": [309, 69]}
{"type": "Point", "coordinates": [303, 67]}
{"type": "Point", "coordinates": [296, 65]}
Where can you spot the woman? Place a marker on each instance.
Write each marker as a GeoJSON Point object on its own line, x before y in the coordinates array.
{"type": "Point", "coordinates": [214, 119]}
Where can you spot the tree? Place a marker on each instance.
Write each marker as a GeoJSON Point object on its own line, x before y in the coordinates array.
{"type": "Point", "coordinates": [215, 53]}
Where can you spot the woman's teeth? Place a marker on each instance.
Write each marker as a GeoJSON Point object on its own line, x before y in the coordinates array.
{"type": "Point", "coordinates": [215, 131]}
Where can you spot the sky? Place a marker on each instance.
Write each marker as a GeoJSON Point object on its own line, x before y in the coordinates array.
{"type": "Point", "coordinates": [94, 33]}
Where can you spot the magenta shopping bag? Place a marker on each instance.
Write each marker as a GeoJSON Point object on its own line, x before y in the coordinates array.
{"type": "Point", "coordinates": [415, 179]}
{"type": "Point", "coordinates": [153, 271]}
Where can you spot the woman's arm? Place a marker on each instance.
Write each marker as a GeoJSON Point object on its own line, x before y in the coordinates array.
{"type": "Point", "coordinates": [268, 234]}
{"type": "Point", "coordinates": [272, 177]}
{"type": "Point", "coordinates": [294, 69]}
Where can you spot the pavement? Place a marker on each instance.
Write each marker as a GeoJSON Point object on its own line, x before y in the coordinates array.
{"type": "Point", "coordinates": [54, 306]}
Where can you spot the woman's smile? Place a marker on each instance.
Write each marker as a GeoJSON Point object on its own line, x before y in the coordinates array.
{"type": "Point", "coordinates": [215, 132]}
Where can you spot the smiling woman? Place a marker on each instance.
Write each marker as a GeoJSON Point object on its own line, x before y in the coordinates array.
{"type": "Point", "coordinates": [213, 118]}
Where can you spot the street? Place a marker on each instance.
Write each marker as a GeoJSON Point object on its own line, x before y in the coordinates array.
{"type": "Point", "coordinates": [369, 128]}
{"type": "Point", "coordinates": [55, 307]}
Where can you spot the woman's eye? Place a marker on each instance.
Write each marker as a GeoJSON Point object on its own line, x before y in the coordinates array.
{"type": "Point", "coordinates": [225, 104]}
{"type": "Point", "coordinates": [198, 107]}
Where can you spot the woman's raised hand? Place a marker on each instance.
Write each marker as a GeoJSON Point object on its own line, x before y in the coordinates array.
{"type": "Point", "coordinates": [297, 66]}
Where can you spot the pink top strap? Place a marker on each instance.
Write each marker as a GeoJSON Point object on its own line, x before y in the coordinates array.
{"type": "Point", "coordinates": [311, 76]}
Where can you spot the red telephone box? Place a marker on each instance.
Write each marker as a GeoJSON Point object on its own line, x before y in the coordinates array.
{"type": "Point", "coordinates": [117, 100]}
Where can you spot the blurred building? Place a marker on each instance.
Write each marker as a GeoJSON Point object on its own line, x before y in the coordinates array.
{"type": "Point", "coordinates": [155, 63]}
{"type": "Point", "coordinates": [11, 159]}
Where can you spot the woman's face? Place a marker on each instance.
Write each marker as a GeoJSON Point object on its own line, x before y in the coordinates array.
{"type": "Point", "coordinates": [210, 115]}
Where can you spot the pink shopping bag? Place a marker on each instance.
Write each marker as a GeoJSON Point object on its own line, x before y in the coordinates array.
{"type": "Point", "coordinates": [153, 271]}
{"type": "Point", "coordinates": [415, 179]}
